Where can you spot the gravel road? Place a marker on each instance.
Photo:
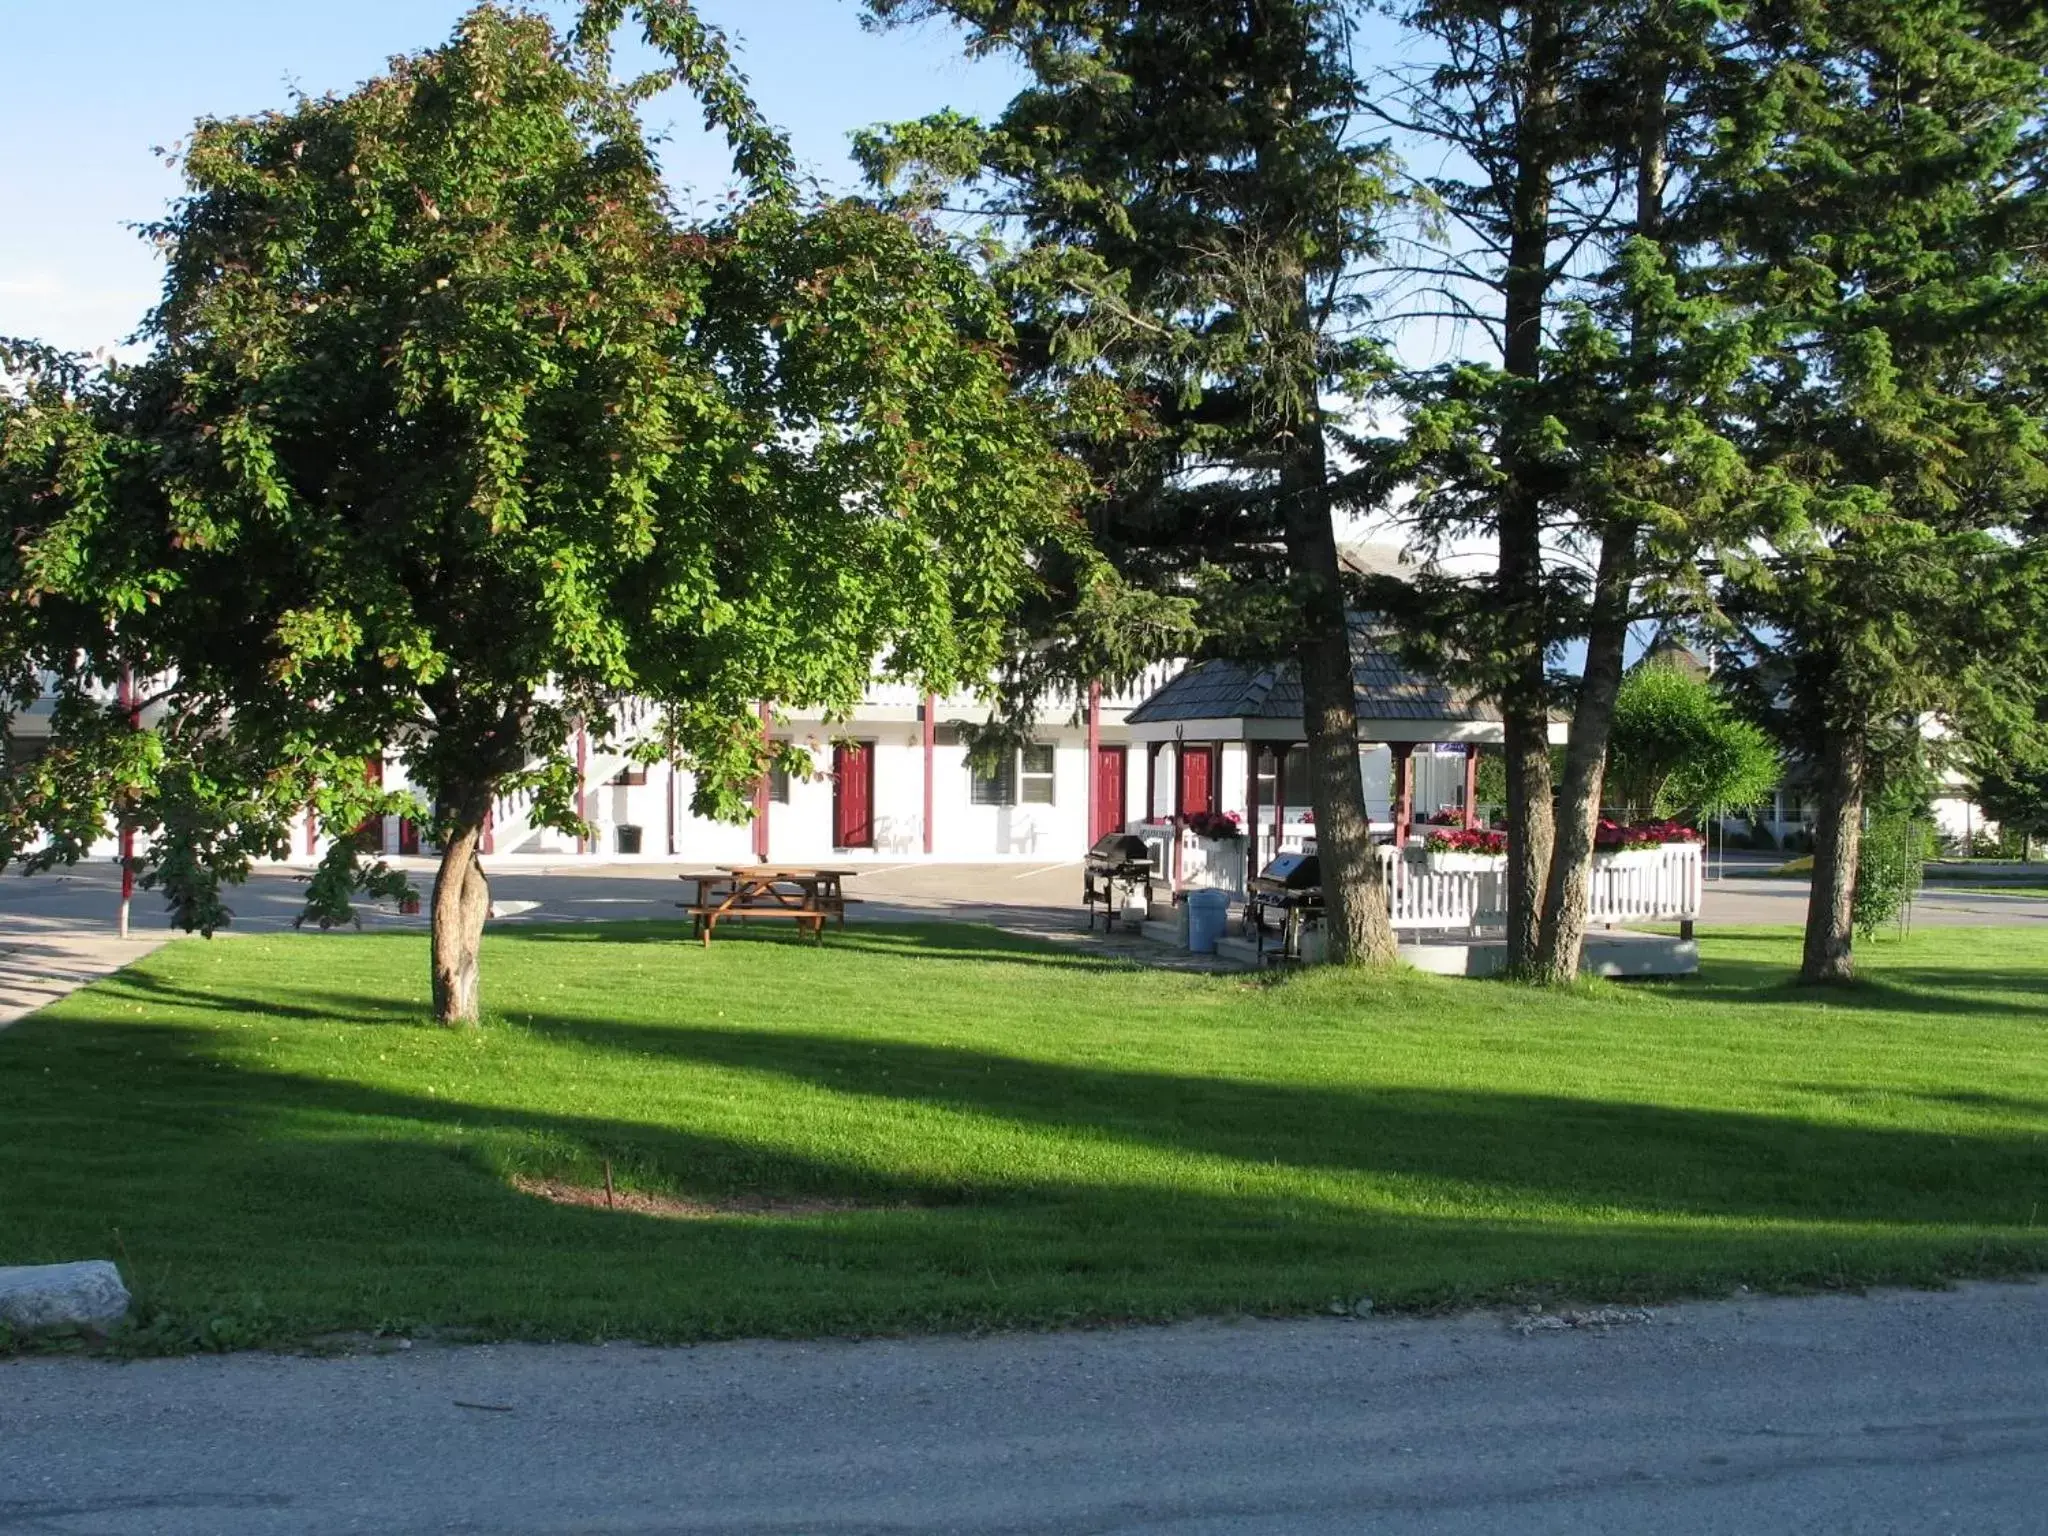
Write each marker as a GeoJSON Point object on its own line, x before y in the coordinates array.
{"type": "Point", "coordinates": [1898, 1413]}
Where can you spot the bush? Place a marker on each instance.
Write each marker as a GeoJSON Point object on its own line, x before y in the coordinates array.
{"type": "Point", "coordinates": [1679, 747]}
{"type": "Point", "coordinates": [1888, 871]}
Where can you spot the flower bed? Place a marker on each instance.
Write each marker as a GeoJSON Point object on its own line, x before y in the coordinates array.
{"type": "Point", "coordinates": [1219, 826]}
{"type": "Point", "coordinates": [1465, 850]}
{"type": "Point", "coordinates": [1639, 843]}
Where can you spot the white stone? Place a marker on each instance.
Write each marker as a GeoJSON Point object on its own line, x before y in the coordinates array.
{"type": "Point", "coordinates": [39, 1298]}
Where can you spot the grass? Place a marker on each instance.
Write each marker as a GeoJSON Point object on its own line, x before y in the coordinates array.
{"type": "Point", "coordinates": [980, 1130]}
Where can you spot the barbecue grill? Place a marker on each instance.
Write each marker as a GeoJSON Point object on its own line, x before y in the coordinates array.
{"type": "Point", "coordinates": [1118, 867]}
{"type": "Point", "coordinates": [1289, 891]}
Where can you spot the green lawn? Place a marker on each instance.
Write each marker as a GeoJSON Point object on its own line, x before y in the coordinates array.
{"type": "Point", "coordinates": [276, 1144]}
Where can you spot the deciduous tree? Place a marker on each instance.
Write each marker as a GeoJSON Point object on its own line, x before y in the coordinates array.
{"type": "Point", "coordinates": [454, 434]}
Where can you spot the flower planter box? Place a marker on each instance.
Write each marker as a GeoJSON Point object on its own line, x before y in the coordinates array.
{"type": "Point", "coordinates": [1454, 863]}
{"type": "Point", "coordinates": [1628, 858]}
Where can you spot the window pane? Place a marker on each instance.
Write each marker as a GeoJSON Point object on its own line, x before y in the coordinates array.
{"type": "Point", "coordinates": [1038, 774]}
{"type": "Point", "coordinates": [997, 789]}
{"type": "Point", "coordinates": [778, 785]}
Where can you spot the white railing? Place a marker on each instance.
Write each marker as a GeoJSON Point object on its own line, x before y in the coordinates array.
{"type": "Point", "coordinates": [1641, 886]}
{"type": "Point", "coordinates": [1203, 863]}
{"type": "Point", "coordinates": [1649, 885]}
{"type": "Point", "coordinates": [1421, 897]}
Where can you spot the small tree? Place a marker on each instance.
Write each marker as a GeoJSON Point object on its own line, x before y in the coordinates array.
{"type": "Point", "coordinates": [1679, 747]}
{"type": "Point", "coordinates": [453, 435]}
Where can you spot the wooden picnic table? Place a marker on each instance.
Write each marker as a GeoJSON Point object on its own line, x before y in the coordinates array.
{"type": "Point", "coordinates": [807, 896]}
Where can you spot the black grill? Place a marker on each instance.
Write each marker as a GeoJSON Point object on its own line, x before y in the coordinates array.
{"type": "Point", "coordinates": [1118, 865]}
{"type": "Point", "coordinates": [1289, 892]}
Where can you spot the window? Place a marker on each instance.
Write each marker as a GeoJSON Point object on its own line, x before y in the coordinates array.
{"type": "Point", "coordinates": [1024, 779]}
{"type": "Point", "coordinates": [778, 785]}
{"type": "Point", "coordinates": [1037, 777]}
{"type": "Point", "coordinates": [998, 788]}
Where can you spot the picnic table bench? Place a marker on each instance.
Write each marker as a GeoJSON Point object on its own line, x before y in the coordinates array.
{"type": "Point", "coordinates": [741, 892]}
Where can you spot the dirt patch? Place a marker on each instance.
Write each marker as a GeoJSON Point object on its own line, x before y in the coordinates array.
{"type": "Point", "coordinates": [632, 1201]}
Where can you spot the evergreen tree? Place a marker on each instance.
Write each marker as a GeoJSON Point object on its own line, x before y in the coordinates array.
{"type": "Point", "coordinates": [1188, 210]}
{"type": "Point", "coordinates": [1889, 236]}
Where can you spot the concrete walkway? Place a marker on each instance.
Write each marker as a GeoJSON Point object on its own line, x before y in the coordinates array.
{"type": "Point", "coordinates": [1897, 1413]}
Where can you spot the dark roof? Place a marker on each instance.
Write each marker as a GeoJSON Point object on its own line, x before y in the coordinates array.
{"type": "Point", "coordinates": [1387, 690]}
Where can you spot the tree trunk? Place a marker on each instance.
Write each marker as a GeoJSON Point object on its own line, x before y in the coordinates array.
{"type": "Point", "coordinates": [1837, 840]}
{"type": "Point", "coordinates": [1357, 926]}
{"type": "Point", "coordinates": [462, 900]}
{"type": "Point", "coordinates": [1567, 898]}
{"type": "Point", "coordinates": [1525, 710]}
{"type": "Point", "coordinates": [1561, 937]}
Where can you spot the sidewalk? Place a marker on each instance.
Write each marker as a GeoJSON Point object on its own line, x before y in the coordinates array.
{"type": "Point", "coordinates": [40, 964]}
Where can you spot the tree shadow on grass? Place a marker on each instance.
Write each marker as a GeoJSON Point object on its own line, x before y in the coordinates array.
{"type": "Point", "coordinates": [925, 941]}
{"type": "Point", "coordinates": [329, 1202]}
{"type": "Point", "coordinates": [1666, 1159]}
{"type": "Point", "coordinates": [1933, 990]}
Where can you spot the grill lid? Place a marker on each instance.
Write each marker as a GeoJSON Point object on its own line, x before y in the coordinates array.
{"type": "Point", "coordinates": [1120, 848]}
{"type": "Point", "coordinates": [1293, 872]}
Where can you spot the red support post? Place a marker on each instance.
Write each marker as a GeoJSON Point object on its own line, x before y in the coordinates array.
{"type": "Point", "coordinates": [1471, 784]}
{"type": "Point", "coordinates": [931, 745]}
{"type": "Point", "coordinates": [761, 800]}
{"type": "Point", "coordinates": [1404, 789]}
{"type": "Point", "coordinates": [582, 801]}
{"type": "Point", "coordinates": [127, 832]}
{"type": "Point", "coordinates": [1280, 749]}
{"type": "Point", "coordinates": [1251, 804]}
{"type": "Point", "coordinates": [1094, 756]}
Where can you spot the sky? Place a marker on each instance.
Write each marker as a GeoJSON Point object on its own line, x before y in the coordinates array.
{"type": "Point", "coordinates": [92, 90]}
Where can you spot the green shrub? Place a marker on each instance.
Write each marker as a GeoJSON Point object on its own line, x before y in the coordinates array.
{"type": "Point", "coordinates": [1888, 871]}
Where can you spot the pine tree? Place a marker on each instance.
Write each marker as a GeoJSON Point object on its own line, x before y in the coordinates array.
{"type": "Point", "coordinates": [1890, 237]}
{"type": "Point", "coordinates": [1190, 210]}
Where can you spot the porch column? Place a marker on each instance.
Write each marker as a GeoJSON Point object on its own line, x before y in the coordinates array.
{"type": "Point", "coordinates": [1251, 807]}
{"type": "Point", "coordinates": [761, 794]}
{"type": "Point", "coordinates": [1403, 753]}
{"type": "Point", "coordinates": [1280, 751]}
{"type": "Point", "coordinates": [931, 741]}
{"type": "Point", "coordinates": [1152, 780]}
{"type": "Point", "coordinates": [582, 767]}
{"type": "Point", "coordinates": [1471, 783]}
{"type": "Point", "coordinates": [1094, 753]}
{"type": "Point", "coordinates": [1179, 788]}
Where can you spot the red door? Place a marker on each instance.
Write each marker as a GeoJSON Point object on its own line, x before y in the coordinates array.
{"type": "Point", "coordinates": [370, 835]}
{"type": "Point", "coordinates": [1197, 780]}
{"type": "Point", "coordinates": [853, 795]}
{"type": "Point", "coordinates": [1109, 793]}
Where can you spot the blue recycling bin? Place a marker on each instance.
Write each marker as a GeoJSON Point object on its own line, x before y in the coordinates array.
{"type": "Point", "coordinates": [1208, 911]}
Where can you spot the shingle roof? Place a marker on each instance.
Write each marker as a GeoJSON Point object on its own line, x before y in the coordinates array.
{"type": "Point", "coordinates": [1387, 690]}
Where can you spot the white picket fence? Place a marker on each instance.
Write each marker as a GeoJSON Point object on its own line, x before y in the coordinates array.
{"type": "Point", "coordinates": [1640, 886]}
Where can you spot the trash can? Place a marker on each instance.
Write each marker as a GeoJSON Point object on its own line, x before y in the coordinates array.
{"type": "Point", "coordinates": [1208, 911]}
{"type": "Point", "coordinates": [628, 838]}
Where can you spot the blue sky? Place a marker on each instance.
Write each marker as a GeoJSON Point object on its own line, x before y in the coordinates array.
{"type": "Point", "coordinates": [90, 90]}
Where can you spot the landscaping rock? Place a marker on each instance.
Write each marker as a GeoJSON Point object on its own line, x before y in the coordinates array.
{"type": "Point", "coordinates": [54, 1298]}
